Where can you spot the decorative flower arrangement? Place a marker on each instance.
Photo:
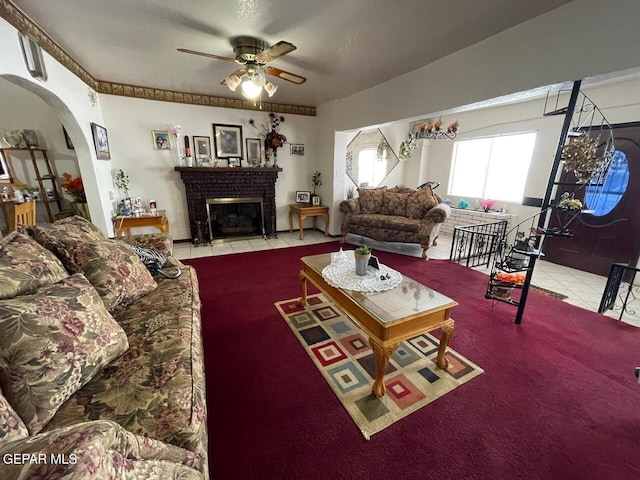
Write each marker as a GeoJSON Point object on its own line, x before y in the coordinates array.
{"type": "Point", "coordinates": [407, 147]}
{"type": "Point", "coordinates": [487, 204]}
{"type": "Point", "coordinates": [74, 187]}
{"type": "Point", "coordinates": [568, 202]}
{"type": "Point", "coordinates": [121, 181]}
{"type": "Point", "coordinates": [273, 139]}
{"type": "Point", "coordinates": [316, 180]}
{"type": "Point", "coordinates": [176, 130]}
{"type": "Point", "coordinates": [462, 203]}
{"type": "Point", "coordinates": [579, 157]}
{"type": "Point", "coordinates": [511, 278]}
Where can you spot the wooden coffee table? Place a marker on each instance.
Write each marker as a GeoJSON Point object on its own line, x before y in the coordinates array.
{"type": "Point", "coordinates": [388, 317]}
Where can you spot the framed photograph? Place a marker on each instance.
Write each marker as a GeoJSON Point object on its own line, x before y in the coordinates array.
{"type": "Point", "coordinates": [31, 138]}
{"type": "Point", "coordinates": [160, 139]}
{"type": "Point", "coordinates": [297, 149]}
{"type": "Point", "coordinates": [202, 147]}
{"type": "Point", "coordinates": [101, 141]}
{"type": "Point", "coordinates": [234, 162]}
{"type": "Point", "coordinates": [228, 140]}
{"type": "Point", "coordinates": [315, 200]}
{"type": "Point", "coordinates": [303, 197]}
{"type": "Point", "coordinates": [254, 156]}
{"type": "Point", "coordinates": [67, 139]}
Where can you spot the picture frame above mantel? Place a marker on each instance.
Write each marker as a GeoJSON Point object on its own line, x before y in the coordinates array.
{"type": "Point", "coordinates": [228, 140]}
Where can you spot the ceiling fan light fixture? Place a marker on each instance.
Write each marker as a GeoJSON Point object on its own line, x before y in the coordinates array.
{"type": "Point", "coordinates": [270, 88]}
{"type": "Point", "coordinates": [232, 82]}
{"type": "Point", "coordinates": [250, 89]}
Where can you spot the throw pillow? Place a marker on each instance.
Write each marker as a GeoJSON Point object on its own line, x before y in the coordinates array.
{"type": "Point", "coordinates": [395, 204]}
{"type": "Point", "coordinates": [11, 425]}
{"type": "Point", "coordinates": [114, 270]}
{"type": "Point", "coordinates": [53, 343]}
{"type": "Point", "coordinates": [371, 199]}
{"type": "Point", "coordinates": [420, 202]}
{"type": "Point", "coordinates": [25, 266]}
{"type": "Point", "coordinates": [67, 231]}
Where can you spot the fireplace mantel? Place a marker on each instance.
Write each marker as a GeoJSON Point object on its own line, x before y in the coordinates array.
{"type": "Point", "coordinates": [202, 183]}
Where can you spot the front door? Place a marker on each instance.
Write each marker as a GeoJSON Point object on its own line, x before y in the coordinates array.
{"type": "Point", "coordinates": [611, 234]}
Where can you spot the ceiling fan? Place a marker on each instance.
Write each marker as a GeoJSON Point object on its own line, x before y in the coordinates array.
{"type": "Point", "coordinates": [254, 54]}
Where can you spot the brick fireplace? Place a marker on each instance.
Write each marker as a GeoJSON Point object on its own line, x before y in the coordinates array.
{"type": "Point", "coordinates": [205, 183]}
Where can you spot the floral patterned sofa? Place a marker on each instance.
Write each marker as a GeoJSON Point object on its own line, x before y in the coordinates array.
{"type": "Point", "coordinates": [398, 214]}
{"type": "Point", "coordinates": [101, 367]}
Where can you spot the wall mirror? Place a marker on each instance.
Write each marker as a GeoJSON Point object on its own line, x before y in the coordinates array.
{"type": "Point", "coordinates": [369, 158]}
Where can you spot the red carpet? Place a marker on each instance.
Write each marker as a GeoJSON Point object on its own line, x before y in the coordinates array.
{"type": "Point", "coordinates": [558, 398]}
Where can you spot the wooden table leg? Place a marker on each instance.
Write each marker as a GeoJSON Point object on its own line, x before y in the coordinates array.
{"type": "Point", "coordinates": [382, 356]}
{"type": "Point", "coordinates": [326, 224]}
{"type": "Point", "coordinates": [447, 332]}
{"type": "Point", "coordinates": [290, 221]}
{"type": "Point", "coordinates": [301, 222]}
{"type": "Point", "coordinates": [303, 287]}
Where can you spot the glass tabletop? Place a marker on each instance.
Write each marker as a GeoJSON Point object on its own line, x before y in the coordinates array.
{"type": "Point", "coordinates": [409, 299]}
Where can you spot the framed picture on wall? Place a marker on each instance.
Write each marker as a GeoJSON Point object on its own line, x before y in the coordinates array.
{"type": "Point", "coordinates": [161, 139]}
{"type": "Point", "coordinates": [254, 156]}
{"type": "Point", "coordinates": [297, 149]}
{"type": "Point", "coordinates": [228, 140]}
{"type": "Point", "coordinates": [202, 147]}
{"type": "Point", "coordinates": [101, 141]}
{"type": "Point", "coordinates": [67, 139]}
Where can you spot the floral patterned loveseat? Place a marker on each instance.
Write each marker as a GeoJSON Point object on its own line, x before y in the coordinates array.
{"type": "Point", "coordinates": [398, 214]}
{"type": "Point", "coordinates": [101, 367]}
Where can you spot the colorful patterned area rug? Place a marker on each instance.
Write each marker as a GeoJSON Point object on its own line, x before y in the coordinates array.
{"type": "Point", "coordinates": [341, 351]}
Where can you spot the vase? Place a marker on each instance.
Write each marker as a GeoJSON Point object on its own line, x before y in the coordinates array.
{"type": "Point", "coordinates": [81, 209]}
{"type": "Point", "coordinates": [362, 263]}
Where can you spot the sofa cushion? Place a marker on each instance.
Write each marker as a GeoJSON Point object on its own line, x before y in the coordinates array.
{"type": "Point", "coordinates": [394, 204]}
{"type": "Point", "coordinates": [116, 272]}
{"type": "Point", "coordinates": [25, 266]}
{"type": "Point", "coordinates": [371, 199]}
{"type": "Point", "coordinates": [386, 222]}
{"type": "Point", "coordinates": [11, 425]}
{"type": "Point", "coordinates": [420, 202]}
{"type": "Point", "coordinates": [53, 342]}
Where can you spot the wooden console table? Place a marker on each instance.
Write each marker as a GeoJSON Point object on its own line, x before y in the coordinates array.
{"type": "Point", "coordinates": [123, 224]}
{"type": "Point", "coordinates": [304, 210]}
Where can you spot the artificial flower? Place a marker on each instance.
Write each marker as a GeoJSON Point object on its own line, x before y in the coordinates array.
{"type": "Point", "coordinates": [74, 187]}
{"type": "Point", "coordinates": [511, 278]}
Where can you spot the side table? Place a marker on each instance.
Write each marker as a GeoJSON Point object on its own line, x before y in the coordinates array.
{"type": "Point", "coordinates": [304, 210]}
{"type": "Point", "coordinates": [123, 224]}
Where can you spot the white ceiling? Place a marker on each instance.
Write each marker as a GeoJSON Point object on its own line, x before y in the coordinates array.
{"type": "Point", "coordinates": [344, 46]}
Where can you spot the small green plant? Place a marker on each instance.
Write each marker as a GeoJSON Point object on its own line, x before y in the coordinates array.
{"type": "Point", "coordinates": [316, 180]}
{"type": "Point", "coordinates": [363, 250]}
{"type": "Point", "coordinates": [350, 192]}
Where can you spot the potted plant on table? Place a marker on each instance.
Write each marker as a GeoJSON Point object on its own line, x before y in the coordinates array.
{"type": "Point", "coordinates": [316, 181]}
{"type": "Point", "coordinates": [362, 255]}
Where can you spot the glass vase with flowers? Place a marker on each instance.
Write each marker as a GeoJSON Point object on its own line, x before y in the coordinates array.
{"type": "Point", "coordinates": [74, 187]}
{"type": "Point", "coordinates": [273, 139]}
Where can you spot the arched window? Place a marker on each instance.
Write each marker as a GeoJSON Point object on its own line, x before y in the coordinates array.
{"type": "Point", "coordinates": [603, 198]}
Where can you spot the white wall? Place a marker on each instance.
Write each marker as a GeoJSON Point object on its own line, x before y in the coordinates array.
{"type": "Point", "coordinates": [151, 172]}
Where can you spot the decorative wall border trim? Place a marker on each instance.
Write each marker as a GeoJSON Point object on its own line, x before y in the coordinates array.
{"type": "Point", "coordinates": [16, 17]}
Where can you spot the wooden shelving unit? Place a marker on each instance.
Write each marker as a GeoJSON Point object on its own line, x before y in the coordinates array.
{"type": "Point", "coordinates": [43, 174]}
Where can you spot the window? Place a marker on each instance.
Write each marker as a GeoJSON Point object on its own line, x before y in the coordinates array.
{"type": "Point", "coordinates": [372, 169]}
{"type": "Point", "coordinates": [491, 167]}
{"type": "Point", "coordinates": [603, 198]}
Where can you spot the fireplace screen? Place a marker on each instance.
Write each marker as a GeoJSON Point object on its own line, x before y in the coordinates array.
{"type": "Point", "coordinates": [234, 218]}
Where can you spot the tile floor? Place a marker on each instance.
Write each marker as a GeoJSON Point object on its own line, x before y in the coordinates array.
{"type": "Point", "coordinates": [583, 289]}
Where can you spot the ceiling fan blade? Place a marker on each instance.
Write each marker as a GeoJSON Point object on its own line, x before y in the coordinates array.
{"type": "Point", "coordinates": [209, 55]}
{"type": "Point", "coordinates": [289, 77]}
{"type": "Point", "coordinates": [275, 51]}
{"type": "Point", "coordinates": [238, 72]}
